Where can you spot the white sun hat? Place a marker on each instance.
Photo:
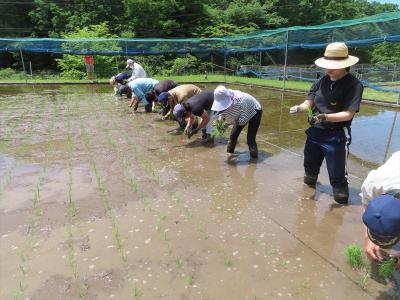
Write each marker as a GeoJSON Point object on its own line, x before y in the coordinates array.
{"type": "Point", "coordinates": [336, 56]}
{"type": "Point", "coordinates": [129, 63]}
{"type": "Point", "coordinates": [223, 98]}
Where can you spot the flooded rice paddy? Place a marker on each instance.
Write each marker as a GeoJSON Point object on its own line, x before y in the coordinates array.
{"type": "Point", "coordinates": [97, 203]}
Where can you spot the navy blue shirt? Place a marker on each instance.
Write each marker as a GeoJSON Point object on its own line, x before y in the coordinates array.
{"type": "Point", "coordinates": [336, 96]}
{"type": "Point", "coordinates": [201, 102]}
{"type": "Point", "coordinates": [164, 86]}
{"type": "Point", "coordinates": [119, 78]}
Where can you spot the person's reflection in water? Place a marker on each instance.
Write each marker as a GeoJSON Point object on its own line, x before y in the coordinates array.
{"type": "Point", "coordinates": [239, 184]}
{"type": "Point", "coordinates": [315, 226]}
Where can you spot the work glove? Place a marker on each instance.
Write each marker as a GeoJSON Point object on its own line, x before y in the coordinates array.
{"type": "Point", "coordinates": [294, 109]}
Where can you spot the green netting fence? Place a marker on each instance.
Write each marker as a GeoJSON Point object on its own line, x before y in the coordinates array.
{"type": "Point", "coordinates": [358, 32]}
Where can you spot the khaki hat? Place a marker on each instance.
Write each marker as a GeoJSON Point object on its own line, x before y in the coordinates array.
{"type": "Point", "coordinates": [336, 56]}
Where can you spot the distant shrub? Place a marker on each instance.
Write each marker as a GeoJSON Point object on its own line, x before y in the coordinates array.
{"type": "Point", "coordinates": [9, 73]}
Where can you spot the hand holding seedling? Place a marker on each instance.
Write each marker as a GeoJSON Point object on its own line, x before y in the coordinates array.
{"type": "Point", "coordinates": [318, 119]}
{"type": "Point", "coordinates": [372, 251]}
{"type": "Point", "coordinates": [190, 132]}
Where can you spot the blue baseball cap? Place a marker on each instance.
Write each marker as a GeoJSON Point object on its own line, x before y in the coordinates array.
{"type": "Point", "coordinates": [179, 111]}
{"type": "Point", "coordinates": [382, 218]}
{"type": "Point", "coordinates": [163, 97]}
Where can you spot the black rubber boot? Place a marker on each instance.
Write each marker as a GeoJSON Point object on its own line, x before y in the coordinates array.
{"type": "Point", "coordinates": [209, 139]}
{"type": "Point", "coordinates": [203, 134]}
{"type": "Point", "coordinates": [253, 151]}
{"type": "Point", "coordinates": [310, 180]}
{"type": "Point", "coordinates": [341, 195]}
{"type": "Point", "coordinates": [230, 148]}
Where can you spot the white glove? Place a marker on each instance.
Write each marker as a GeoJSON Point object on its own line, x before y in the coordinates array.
{"type": "Point", "coordinates": [294, 109]}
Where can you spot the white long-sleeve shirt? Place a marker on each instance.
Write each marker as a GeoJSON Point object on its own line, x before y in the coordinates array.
{"type": "Point", "coordinates": [137, 72]}
{"type": "Point", "coordinates": [382, 180]}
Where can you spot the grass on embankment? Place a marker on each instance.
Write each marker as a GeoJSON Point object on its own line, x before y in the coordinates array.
{"type": "Point", "coordinates": [369, 94]}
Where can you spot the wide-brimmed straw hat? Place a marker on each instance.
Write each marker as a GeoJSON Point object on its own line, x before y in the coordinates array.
{"type": "Point", "coordinates": [223, 98]}
{"type": "Point", "coordinates": [336, 56]}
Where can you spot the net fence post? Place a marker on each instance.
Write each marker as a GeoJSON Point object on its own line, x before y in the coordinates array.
{"type": "Point", "coordinates": [286, 55]}
{"type": "Point", "coordinates": [225, 66]}
{"type": "Point", "coordinates": [30, 68]}
{"type": "Point", "coordinates": [23, 65]}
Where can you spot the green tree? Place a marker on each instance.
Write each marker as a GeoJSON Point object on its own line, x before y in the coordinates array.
{"type": "Point", "coordinates": [166, 18]}
{"type": "Point", "coordinates": [386, 53]}
{"type": "Point", "coordinates": [73, 66]}
{"type": "Point", "coordinates": [59, 16]}
{"type": "Point", "coordinates": [14, 20]}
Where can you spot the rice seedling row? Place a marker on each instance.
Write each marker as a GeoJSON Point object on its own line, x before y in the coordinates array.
{"type": "Point", "coordinates": [71, 203]}
{"type": "Point", "coordinates": [10, 172]}
{"type": "Point", "coordinates": [31, 239]}
{"type": "Point", "coordinates": [136, 187]}
{"type": "Point", "coordinates": [103, 192]}
{"type": "Point", "coordinates": [156, 177]}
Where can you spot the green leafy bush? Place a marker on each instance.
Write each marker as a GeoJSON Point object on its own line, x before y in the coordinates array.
{"type": "Point", "coordinates": [9, 73]}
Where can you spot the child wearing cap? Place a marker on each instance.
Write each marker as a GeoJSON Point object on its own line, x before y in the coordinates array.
{"type": "Point", "coordinates": [380, 194]}
{"type": "Point", "coordinates": [334, 99]}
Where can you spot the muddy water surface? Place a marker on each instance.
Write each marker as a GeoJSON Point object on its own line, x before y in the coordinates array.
{"type": "Point", "coordinates": [97, 203]}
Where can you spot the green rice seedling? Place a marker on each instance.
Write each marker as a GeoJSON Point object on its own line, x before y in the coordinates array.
{"type": "Point", "coordinates": [284, 264]}
{"type": "Point", "coordinates": [137, 293]}
{"type": "Point", "coordinates": [179, 263]}
{"type": "Point", "coordinates": [363, 281]}
{"type": "Point", "coordinates": [190, 280]}
{"type": "Point", "coordinates": [204, 233]}
{"type": "Point", "coordinates": [355, 256]}
{"type": "Point", "coordinates": [306, 284]}
{"type": "Point", "coordinates": [387, 267]}
{"type": "Point", "coordinates": [169, 249]}
{"type": "Point", "coordinates": [229, 261]}
{"type": "Point", "coordinates": [220, 129]}
{"type": "Point", "coordinates": [309, 112]}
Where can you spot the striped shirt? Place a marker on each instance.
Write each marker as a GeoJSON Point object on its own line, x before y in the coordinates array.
{"type": "Point", "coordinates": [244, 107]}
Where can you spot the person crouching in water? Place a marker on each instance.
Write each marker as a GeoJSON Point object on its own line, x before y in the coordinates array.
{"type": "Point", "coordinates": [334, 98]}
{"type": "Point", "coordinates": [197, 106]}
{"type": "Point", "coordinates": [238, 108]}
{"type": "Point", "coordinates": [177, 95]}
{"type": "Point", "coordinates": [161, 87]}
{"type": "Point", "coordinates": [139, 88]}
{"type": "Point", "coordinates": [118, 81]}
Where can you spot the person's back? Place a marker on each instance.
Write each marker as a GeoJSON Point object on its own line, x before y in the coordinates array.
{"type": "Point", "coordinates": [144, 84]}
{"type": "Point", "coordinates": [382, 180]}
{"type": "Point", "coordinates": [164, 86]}
{"type": "Point", "coordinates": [201, 102]}
{"type": "Point", "coordinates": [183, 92]}
{"type": "Point", "coordinates": [137, 70]}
